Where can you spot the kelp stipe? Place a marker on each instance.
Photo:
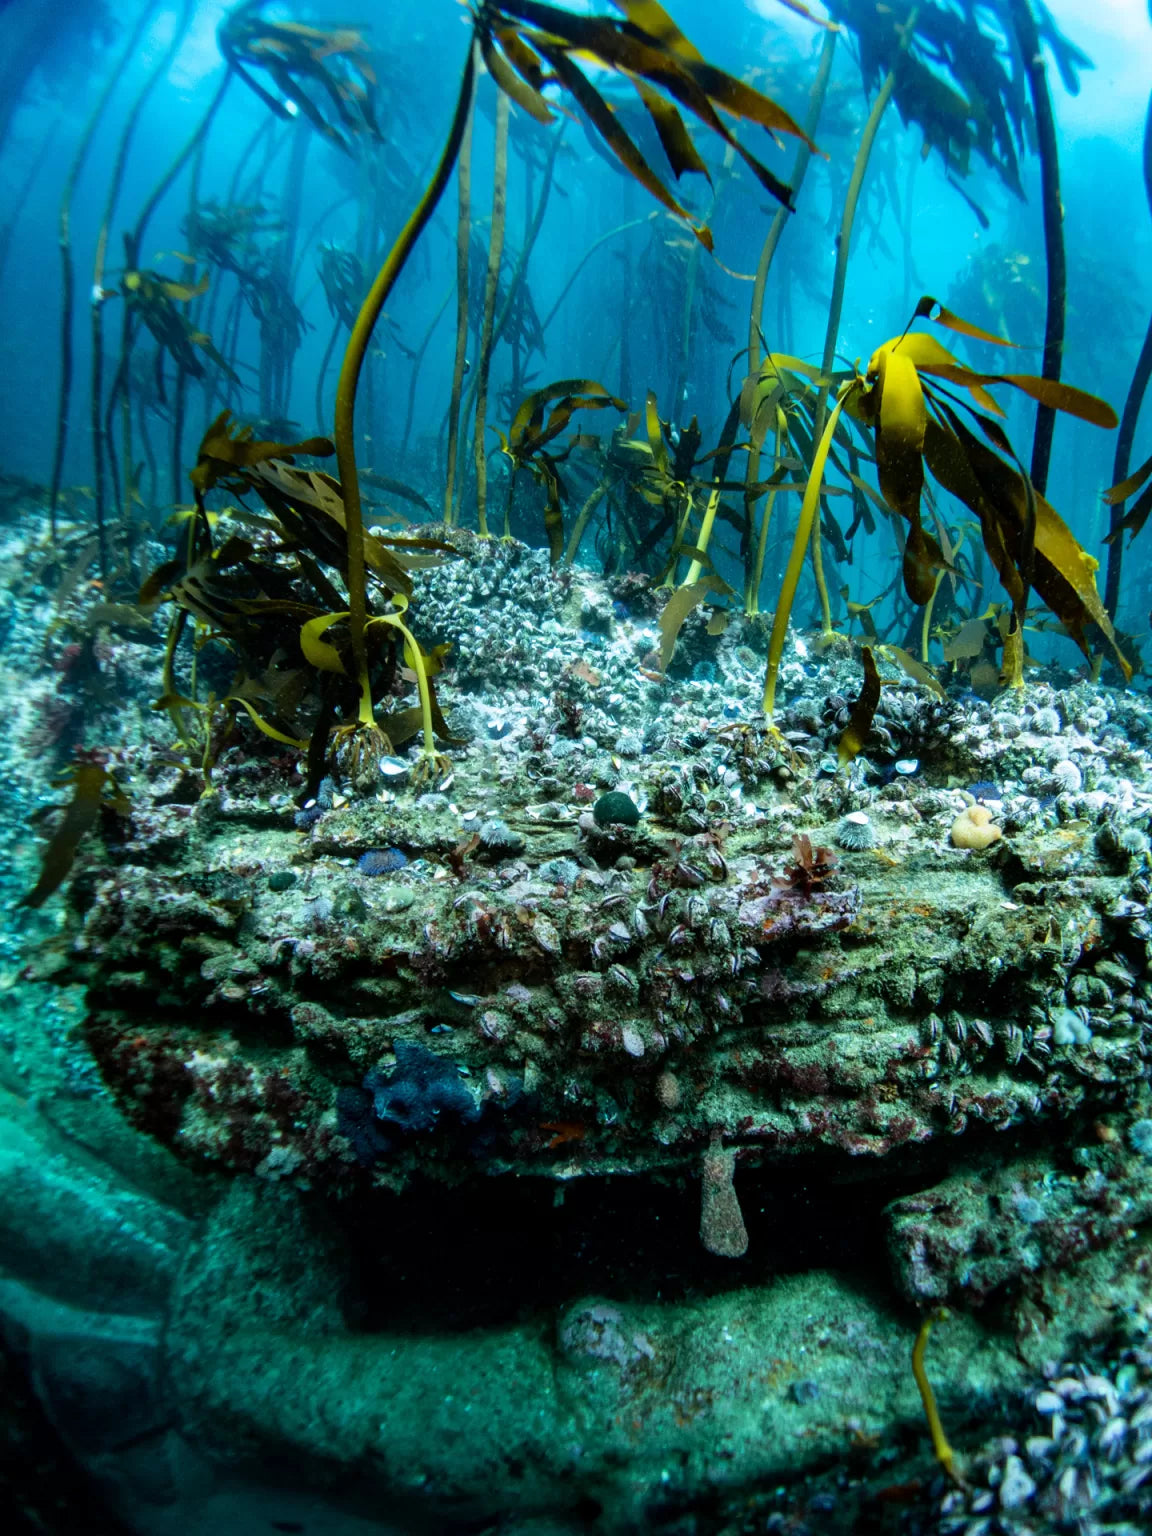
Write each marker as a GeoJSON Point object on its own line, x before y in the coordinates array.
{"type": "Point", "coordinates": [1118, 520]}
{"type": "Point", "coordinates": [67, 266]}
{"type": "Point", "coordinates": [157, 73]}
{"type": "Point", "coordinates": [350, 377]}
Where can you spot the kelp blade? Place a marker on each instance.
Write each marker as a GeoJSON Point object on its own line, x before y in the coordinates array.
{"type": "Point", "coordinates": [88, 780]}
{"type": "Point", "coordinates": [863, 711]}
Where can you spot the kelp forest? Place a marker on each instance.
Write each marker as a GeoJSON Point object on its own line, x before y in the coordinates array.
{"type": "Point", "coordinates": [576, 831]}
{"type": "Point", "coordinates": [660, 314]}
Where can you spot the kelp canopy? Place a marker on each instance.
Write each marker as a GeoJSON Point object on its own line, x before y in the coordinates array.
{"type": "Point", "coordinates": [719, 473]}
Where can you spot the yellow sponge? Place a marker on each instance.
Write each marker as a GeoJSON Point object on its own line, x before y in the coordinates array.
{"type": "Point", "coordinates": [974, 828]}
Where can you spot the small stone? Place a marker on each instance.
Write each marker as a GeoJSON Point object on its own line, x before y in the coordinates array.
{"type": "Point", "coordinates": [632, 1040]}
{"type": "Point", "coordinates": [397, 898]}
{"type": "Point", "coordinates": [281, 880]}
{"type": "Point", "coordinates": [804, 1392]}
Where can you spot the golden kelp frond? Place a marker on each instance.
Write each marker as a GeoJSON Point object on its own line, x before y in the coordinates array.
{"type": "Point", "coordinates": [519, 38]}
{"type": "Point", "coordinates": [539, 420]}
{"type": "Point", "coordinates": [929, 308]}
{"type": "Point", "coordinates": [325, 75]}
{"type": "Point", "coordinates": [863, 711]}
{"type": "Point", "coordinates": [530, 431]}
{"type": "Point", "coordinates": [276, 603]}
{"type": "Point", "coordinates": [221, 451]}
{"type": "Point", "coordinates": [962, 85]}
{"type": "Point", "coordinates": [93, 789]}
{"type": "Point", "coordinates": [681, 603]}
{"type": "Point", "coordinates": [153, 299]}
{"type": "Point", "coordinates": [1061, 571]}
{"type": "Point", "coordinates": [931, 358]}
{"type": "Point", "coordinates": [918, 425]}
{"type": "Point", "coordinates": [344, 281]}
{"type": "Point", "coordinates": [296, 496]}
{"type": "Point", "coordinates": [896, 401]}
{"type": "Point", "coordinates": [1138, 513]}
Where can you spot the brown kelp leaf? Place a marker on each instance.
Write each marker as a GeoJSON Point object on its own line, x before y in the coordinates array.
{"type": "Point", "coordinates": [679, 606]}
{"type": "Point", "coordinates": [652, 18]}
{"type": "Point", "coordinates": [117, 615]}
{"type": "Point", "coordinates": [900, 462]}
{"type": "Point", "coordinates": [1064, 573]}
{"type": "Point", "coordinates": [922, 559]}
{"type": "Point", "coordinates": [693, 84]}
{"type": "Point", "coordinates": [915, 669]}
{"type": "Point", "coordinates": [869, 491]}
{"type": "Point", "coordinates": [1125, 488]}
{"type": "Point", "coordinates": [544, 468]}
{"type": "Point", "coordinates": [1072, 597]}
{"type": "Point", "coordinates": [294, 56]}
{"type": "Point", "coordinates": [931, 358]}
{"type": "Point", "coordinates": [863, 710]}
{"type": "Point", "coordinates": [221, 452]}
{"type": "Point", "coordinates": [899, 431]}
{"type": "Point", "coordinates": [1050, 392]}
{"type": "Point", "coordinates": [523, 94]}
{"type": "Point", "coordinates": [521, 57]}
{"type": "Point", "coordinates": [674, 137]}
{"type": "Point", "coordinates": [271, 731]}
{"type": "Point", "coordinates": [529, 433]}
{"type": "Point", "coordinates": [954, 323]}
{"type": "Point", "coordinates": [967, 642]}
{"type": "Point", "coordinates": [396, 487]}
{"type": "Point", "coordinates": [656, 444]}
{"type": "Point", "coordinates": [402, 724]}
{"type": "Point", "coordinates": [87, 780]}
{"type": "Point", "coordinates": [649, 18]}
{"type": "Point", "coordinates": [982, 218]}
{"type": "Point", "coordinates": [184, 293]}
{"type": "Point", "coordinates": [607, 125]}
{"type": "Point", "coordinates": [974, 480]}
{"type": "Point", "coordinates": [287, 490]}
{"type": "Point", "coordinates": [321, 653]}
{"type": "Point", "coordinates": [652, 44]}
{"type": "Point", "coordinates": [1135, 517]}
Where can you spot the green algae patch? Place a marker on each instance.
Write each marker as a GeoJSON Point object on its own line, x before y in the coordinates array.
{"type": "Point", "coordinates": [616, 809]}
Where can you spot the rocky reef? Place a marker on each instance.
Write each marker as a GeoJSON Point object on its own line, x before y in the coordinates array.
{"type": "Point", "coordinates": [636, 971]}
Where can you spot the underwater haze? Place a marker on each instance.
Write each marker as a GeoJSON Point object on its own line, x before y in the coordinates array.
{"type": "Point", "coordinates": [577, 818]}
